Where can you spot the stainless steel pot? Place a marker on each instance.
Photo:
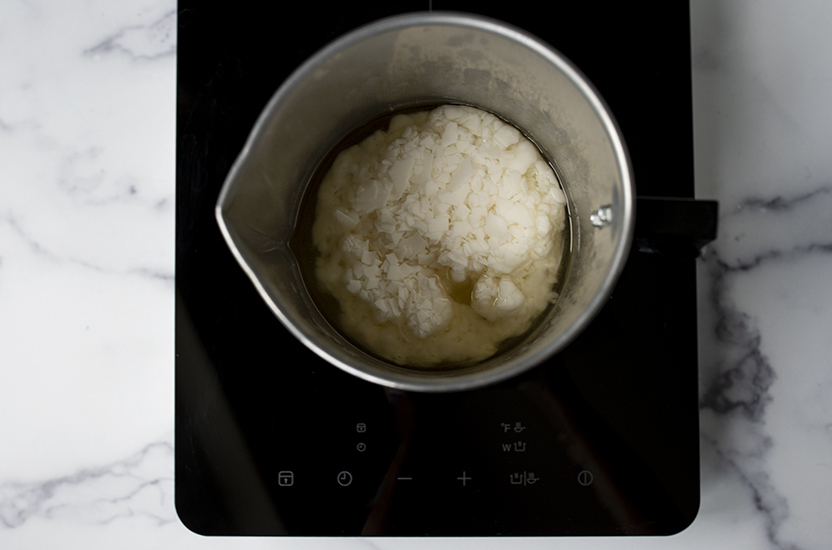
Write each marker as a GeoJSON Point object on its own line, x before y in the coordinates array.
{"type": "Point", "coordinates": [430, 58]}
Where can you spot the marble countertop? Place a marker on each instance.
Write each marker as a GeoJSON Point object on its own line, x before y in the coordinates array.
{"type": "Point", "coordinates": [87, 281]}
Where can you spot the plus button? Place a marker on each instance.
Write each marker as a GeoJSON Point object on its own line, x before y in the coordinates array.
{"type": "Point", "coordinates": [464, 479]}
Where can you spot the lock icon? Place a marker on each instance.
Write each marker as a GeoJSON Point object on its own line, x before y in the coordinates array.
{"type": "Point", "coordinates": [361, 427]}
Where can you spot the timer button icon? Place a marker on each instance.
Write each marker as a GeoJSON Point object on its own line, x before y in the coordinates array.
{"type": "Point", "coordinates": [344, 478]}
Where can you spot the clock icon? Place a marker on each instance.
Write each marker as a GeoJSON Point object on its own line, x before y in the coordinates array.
{"type": "Point", "coordinates": [344, 478]}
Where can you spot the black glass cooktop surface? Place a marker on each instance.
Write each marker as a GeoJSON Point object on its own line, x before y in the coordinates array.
{"type": "Point", "coordinates": [602, 439]}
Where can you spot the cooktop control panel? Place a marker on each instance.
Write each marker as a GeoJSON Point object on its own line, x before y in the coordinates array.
{"type": "Point", "coordinates": [449, 474]}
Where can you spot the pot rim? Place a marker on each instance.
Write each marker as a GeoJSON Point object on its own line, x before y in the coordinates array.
{"type": "Point", "coordinates": [447, 381]}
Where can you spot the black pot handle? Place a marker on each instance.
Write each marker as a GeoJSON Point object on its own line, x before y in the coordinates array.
{"type": "Point", "coordinates": [674, 227]}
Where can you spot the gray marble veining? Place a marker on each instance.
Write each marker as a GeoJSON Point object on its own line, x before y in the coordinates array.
{"type": "Point", "coordinates": [87, 127]}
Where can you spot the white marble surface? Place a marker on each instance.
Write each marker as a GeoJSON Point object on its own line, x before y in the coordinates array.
{"type": "Point", "coordinates": [86, 281]}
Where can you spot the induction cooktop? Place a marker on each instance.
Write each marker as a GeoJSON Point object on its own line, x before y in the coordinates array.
{"type": "Point", "coordinates": [601, 439]}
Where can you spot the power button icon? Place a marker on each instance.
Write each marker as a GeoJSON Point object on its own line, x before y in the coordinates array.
{"type": "Point", "coordinates": [585, 478]}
